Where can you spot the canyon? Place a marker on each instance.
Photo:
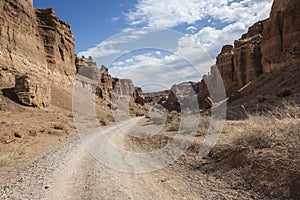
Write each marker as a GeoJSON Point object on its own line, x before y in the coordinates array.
{"type": "Point", "coordinates": [269, 46]}
{"type": "Point", "coordinates": [42, 154]}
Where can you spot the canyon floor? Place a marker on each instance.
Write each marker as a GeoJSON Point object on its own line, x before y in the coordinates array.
{"type": "Point", "coordinates": [68, 171]}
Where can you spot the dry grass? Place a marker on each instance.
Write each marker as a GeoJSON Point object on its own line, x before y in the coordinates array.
{"type": "Point", "coordinates": [158, 118]}
{"type": "Point", "coordinates": [10, 154]}
{"type": "Point", "coordinates": [266, 151]}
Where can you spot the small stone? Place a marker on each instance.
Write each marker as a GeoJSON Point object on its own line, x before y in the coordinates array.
{"type": "Point", "coordinates": [260, 98]}
{"type": "Point", "coordinates": [284, 93]}
{"type": "Point", "coordinates": [18, 135]}
{"type": "Point", "coordinates": [33, 133]}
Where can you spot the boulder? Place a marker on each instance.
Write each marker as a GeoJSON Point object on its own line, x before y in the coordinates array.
{"type": "Point", "coordinates": [32, 92]}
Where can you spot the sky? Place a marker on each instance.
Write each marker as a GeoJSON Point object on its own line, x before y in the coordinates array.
{"type": "Point", "coordinates": [157, 43]}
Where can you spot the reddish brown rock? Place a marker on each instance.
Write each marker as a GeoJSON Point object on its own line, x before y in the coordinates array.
{"type": "Point", "coordinates": [247, 55]}
{"type": "Point", "coordinates": [281, 36]}
{"type": "Point", "coordinates": [225, 64]}
{"type": "Point", "coordinates": [138, 96]}
{"type": "Point", "coordinates": [59, 45]}
{"type": "Point", "coordinates": [157, 97]}
{"type": "Point", "coordinates": [32, 91]}
{"type": "Point", "coordinates": [36, 43]}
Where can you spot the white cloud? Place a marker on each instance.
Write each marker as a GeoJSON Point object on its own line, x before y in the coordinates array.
{"type": "Point", "coordinates": [181, 65]}
{"type": "Point", "coordinates": [170, 13]}
{"type": "Point", "coordinates": [222, 22]}
{"type": "Point", "coordinates": [235, 16]}
{"type": "Point", "coordinates": [213, 39]}
{"type": "Point", "coordinates": [191, 28]}
{"type": "Point", "coordinates": [115, 19]}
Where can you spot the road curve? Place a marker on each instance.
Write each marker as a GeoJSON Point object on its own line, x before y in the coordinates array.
{"type": "Point", "coordinates": [70, 172]}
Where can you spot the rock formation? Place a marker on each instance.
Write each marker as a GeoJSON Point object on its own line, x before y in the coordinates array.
{"type": "Point", "coordinates": [100, 82]}
{"type": "Point", "coordinates": [225, 63]}
{"type": "Point", "coordinates": [138, 96]}
{"type": "Point", "coordinates": [281, 36]}
{"type": "Point", "coordinates": [247, 56]}
{"type": "Point", "coordinates": [37, 45]}
{"type": "Point", "coordinates": [30, 91]}
{"type": "Point", "coordinates": [157, 97]}
{"type": "Point", "coordinates": [59, 45]}
{"type": "Point", "coordinates": [268, 46]}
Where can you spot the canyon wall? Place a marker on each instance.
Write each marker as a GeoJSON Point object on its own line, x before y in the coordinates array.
{"type": "Point", "coordinates": [35, 45]}
{"type": "Point", "coordinates": [281, 36]}
{"type": "Point", "coordinates": [100, 82]}
{"type": "Point", "coordinates": [268, 46]}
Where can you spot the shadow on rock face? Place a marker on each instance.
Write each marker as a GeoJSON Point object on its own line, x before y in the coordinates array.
{"type": "Point", "coordinates": [10, 94]}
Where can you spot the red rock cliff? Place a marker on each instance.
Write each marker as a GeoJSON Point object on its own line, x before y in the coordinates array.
{"type": "Point", "coordinates": [281, 36]}
{"type": "Point", "coordinates": [38, 45]}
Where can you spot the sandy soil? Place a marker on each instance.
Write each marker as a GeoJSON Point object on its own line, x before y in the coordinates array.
{"type": "Point", "coordinates": [68, 171]}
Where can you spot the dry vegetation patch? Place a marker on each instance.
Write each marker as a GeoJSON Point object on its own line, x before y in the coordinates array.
{"type": "Point", "coordinates": [266, 152]}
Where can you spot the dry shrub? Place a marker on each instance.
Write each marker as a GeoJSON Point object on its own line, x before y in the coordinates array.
{"type": "Point", "coordinates": [11, 153]}
{"type": "Point", "coordinates": [271, 149]}
{"type": "Point", "coordinates": [158, 118]}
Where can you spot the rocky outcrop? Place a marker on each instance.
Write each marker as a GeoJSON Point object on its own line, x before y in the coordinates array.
{"type": "Point", "coordinates": [281, 36]}
{"type": "Point", "coordinates": [157, 97]}
{"type": "Point", "coordinates": [31, 92]}
{"type": "Point", "coordinates": [138, 96]}
{"type": "Point", "coordinates": [225, 63]}
{"type": "Point", "coordinates": [100, 82]}
{"type": "Point", "coordinates": [241, 63]}
{"type": "Point", "coordinates": [247, 56]}
{"type": "Point", "coordinates": [123, 87]}
{"type": "Point", "coordinates": [268, 46]}
{"type": "Point", "coordinates": [88, 68]}
{"type": "Point", "coordinates": [59, 45]}
{"type": "Point", "coordinates": [36, 44]}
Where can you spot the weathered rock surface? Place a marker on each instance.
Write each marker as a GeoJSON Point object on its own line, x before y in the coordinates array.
{"type": "Point", "coordinates": [157, 97]}
{"type": "Point", "coordinates": [36, 43]}
{"type": "Point", "coordinates": [31, 92]}
{"type": "Point", "coordinates": [101, 83]}
{"type": "Point", "coordinates": [247, 55]}
{"type": "Point", "coordinates": [138, 96]}
{"type": "Point", "coordinates": [123, 87]}
{"type": "Point", "coordinates": [268, 46]}
{"type": "Point", "coordinates": [59, 45]}
{"type": "Point", "coordinates": [225, 63]}
{"type": "Point", "coordinates": [281, 36]}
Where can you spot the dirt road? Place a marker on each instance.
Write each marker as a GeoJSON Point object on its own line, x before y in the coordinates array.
{"type": "Point", "coordinates": [70, 172]}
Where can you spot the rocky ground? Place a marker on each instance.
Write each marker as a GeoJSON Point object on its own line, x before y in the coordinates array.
{"type": "Point", "coordinates": [68, 171]}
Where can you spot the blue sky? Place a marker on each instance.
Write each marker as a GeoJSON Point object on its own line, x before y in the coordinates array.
{"type": "Point", "coordinates": [157, 43]}
{"type": "Point", "coordinates": [92, 21]}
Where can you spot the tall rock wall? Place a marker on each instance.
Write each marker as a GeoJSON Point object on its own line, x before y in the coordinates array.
{"type": "Point", "coordinates": [21, 47]}
{"type": "Point", "coordinates": [59, 45]}
{"type": "Point", "coordinates": [281, 36]}
{"type": "Point", "coordinates": [225, 63]}
{"type": "Point", "coordinates": [101, 81]}
{"type": "Point", "coordinates": [268, 46]}
{"type": "Point", "coordinates": [37, 45]}
{"type": "Point", "coordinates": [241, 63]}
{"type": "Point", "coordinates": [247, 55]}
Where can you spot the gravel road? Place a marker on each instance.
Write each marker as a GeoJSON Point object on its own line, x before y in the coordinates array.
{"type": "Point", "coordinates": [69, 171]}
